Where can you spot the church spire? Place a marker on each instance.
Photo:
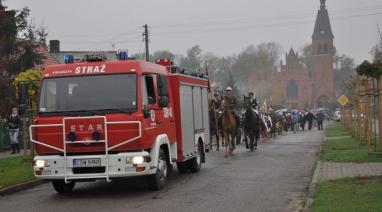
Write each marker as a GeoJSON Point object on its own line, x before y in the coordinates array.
{"type": "Point", "coordinates": [323, 2]}
{"type": "Point", "coordinates": [322, 27]}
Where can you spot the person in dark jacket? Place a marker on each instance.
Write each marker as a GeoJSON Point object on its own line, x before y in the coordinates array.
{"type": "Point", "coordinates": [14, 122]}
{"type": "Point", "coordinates": [303, 121]}
{"type": "Point", "coordinates": [320, 120]}
{"type": "Point", "coordinates": [310, 119]}
{"type": "Point", "coordinates": [233, 104]}
{"type": "Point", "coordinates": [253, 100]}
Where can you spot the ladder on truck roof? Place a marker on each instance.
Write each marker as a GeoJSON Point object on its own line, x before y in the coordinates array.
{"type": "Point", "coordinates": [105, 141]}
{"type": "Point", "coordinates": [173, 69]}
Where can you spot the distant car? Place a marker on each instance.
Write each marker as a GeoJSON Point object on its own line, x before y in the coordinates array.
{"type": "Point", "coordinates": [337, 116]}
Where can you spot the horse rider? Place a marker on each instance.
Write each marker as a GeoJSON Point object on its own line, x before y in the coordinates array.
{"type": "Point", "coordinates": [217, 100]}
{"type": "Point", "coordinates": [253, 100]}
{"type": "Point", "coordinates": [232, 104]}
{"type": "Point", "coordinates": [215, 120]}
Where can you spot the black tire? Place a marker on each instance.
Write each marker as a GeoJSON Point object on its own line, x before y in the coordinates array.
{"type": "Point", "coordinates": [63, 188]}
{"type": "Point", "coordinates": [158, 180]}
{"type": "Point", "coordinates": [182, 167]}
{"type": "Point", "coordinates": [195, 163]}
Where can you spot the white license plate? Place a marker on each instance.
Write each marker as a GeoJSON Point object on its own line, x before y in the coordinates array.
{"type": "Point", "coordinates": [91, 162]}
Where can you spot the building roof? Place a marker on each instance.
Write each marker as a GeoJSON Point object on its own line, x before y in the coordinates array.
{"type": "Point", "coordinates": [47, 58]}
{"type": "Point", "coordinates": [292, 63]}
{"type": "Point", "coordinates": [322, 26]}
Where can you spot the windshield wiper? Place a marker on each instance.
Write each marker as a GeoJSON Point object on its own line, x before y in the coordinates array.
{"type": "Point", "coordinates": [82, 112]}
{"type": "Point", "coordinates": [104, 111]}
{"type": "Point", "coordinates": [85, 112]}
{"type": "Point", "coordinates": [56, 113]}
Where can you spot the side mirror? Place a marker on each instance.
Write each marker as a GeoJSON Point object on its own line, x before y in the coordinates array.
{"type": "Point", "coordinates": [146, 113]}
{"type": "Point", "coordinates": [163, 101]}
{"type": "Point", "coordinates": [23, 97]}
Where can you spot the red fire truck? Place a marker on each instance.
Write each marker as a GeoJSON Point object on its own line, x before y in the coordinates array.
{"type": "Point", "coordinates": [100, 119]}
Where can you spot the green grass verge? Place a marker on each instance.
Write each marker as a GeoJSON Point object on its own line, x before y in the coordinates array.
{"type": "Point", "coordinates": [349, 194]}
{"type": "Point", "coordinates": [336, 130]}
{"type": "Point", "coordinates": [345, 149]}
{"type": "Point", "coordinates": [15, 170]}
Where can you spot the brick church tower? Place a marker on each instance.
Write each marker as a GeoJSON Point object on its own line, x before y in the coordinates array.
{"type": "Point", "coordinates": [322, 60]}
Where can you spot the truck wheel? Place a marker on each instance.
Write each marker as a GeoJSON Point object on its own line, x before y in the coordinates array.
{"type": "Point", "coordinates": [196, 163]}
{"type": "Point", "coordinates": [158, 180]}
{"type": "Point", "coordinates": [182, 167]}
{"type": "Point", "coordinates": [61, 187]}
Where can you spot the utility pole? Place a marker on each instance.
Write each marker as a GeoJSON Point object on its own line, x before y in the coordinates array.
{"type": "Point", "coordinates": [379, 31]}
{"type": "Point", "coordinates": [146, 39]}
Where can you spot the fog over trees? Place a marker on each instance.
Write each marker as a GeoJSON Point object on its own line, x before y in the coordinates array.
{"type": "Point", "coordinates": [251, 68]}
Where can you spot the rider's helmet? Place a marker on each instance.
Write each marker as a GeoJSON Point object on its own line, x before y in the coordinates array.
{"type": "Point", "coordinates": [228, 88]}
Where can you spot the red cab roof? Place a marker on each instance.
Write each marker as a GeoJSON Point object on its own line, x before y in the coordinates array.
{"type": "Point", "coordinates": [103, 67]}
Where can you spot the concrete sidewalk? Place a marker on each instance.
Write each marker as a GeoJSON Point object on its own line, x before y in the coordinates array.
{"type": "Point", "coordinates": [333, 170]}
{"type": "Point", "coordinates": [8, 154]}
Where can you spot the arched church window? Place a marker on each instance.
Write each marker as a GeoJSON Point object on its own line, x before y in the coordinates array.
{"type": "Point", "coordinates": [292, 90]}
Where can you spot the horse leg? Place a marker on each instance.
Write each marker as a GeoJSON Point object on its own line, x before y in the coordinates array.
{"type": "Point", "coordinates": [252, 138]}
{"type": "Point", "coordinates": [217, 141]}
{"type": "Point", "coordinates": [223, 140]}
{"type": "Point", "coordinates": [234, 137]}
{"type": "Point", "coordinates": [238, 137]}
{"type": "Point", "coordinates": [246, 140]}
{"type": "Point", "coordinates": [232, 144]}
{"type": "Point", "coordinates": [226, 138]}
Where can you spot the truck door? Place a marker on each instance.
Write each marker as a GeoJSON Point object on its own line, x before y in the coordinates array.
{"type": "Point", "coordinates": [165, 116]}
{"type": "Point", "coordinates": [150, 104]}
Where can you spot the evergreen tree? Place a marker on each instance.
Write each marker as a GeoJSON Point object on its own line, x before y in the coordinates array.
{"type": "Point", "coordinates": [18, 42]}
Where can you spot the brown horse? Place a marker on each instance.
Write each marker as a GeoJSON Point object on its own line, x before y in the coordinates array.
{"type": "Point", "coordinates": [229, 128]}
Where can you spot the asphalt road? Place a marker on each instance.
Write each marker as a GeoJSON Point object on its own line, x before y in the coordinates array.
{"type": "Point", "coordinates": [274, 178]}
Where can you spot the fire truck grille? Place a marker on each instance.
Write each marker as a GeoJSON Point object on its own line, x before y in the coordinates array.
{"type": "Point", "coordinates": [88, 170]}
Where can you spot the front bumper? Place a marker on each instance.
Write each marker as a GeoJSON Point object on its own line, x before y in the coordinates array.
{"type": "Point", "coordinates": [113, 166]}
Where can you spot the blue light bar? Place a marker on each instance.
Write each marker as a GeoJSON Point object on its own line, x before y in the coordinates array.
{"type": "Point", "coordinates": [68, 59]}
{"type": "Point", "coordinates": [93, 58]}
{"type": "Point", "coordinates": [123, 55]}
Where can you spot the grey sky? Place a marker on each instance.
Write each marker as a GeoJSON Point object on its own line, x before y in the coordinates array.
{"type": "Point", "coordinates": [223, 27]}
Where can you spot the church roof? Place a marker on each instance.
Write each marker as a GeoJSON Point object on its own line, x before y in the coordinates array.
{"type": "Point", "coordinates": [322, 27]}
{"type": "Point", "coordinates": [291, 52]}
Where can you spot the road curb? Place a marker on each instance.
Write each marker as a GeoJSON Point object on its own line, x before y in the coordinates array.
{"type": "Point", "coordinates": [312, 187]}
{"type": "Point", "coordinates": [21, 187]}
{"type": "Point", "coordinates": [315, 178]}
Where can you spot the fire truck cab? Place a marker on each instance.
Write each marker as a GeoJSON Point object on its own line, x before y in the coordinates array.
{"type": "Point", "coordinates": [100, 119]}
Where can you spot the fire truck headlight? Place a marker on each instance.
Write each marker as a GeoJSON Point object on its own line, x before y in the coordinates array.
{"type": "Point", "coordinates": [138, 159]}
{"type": "Point", "coordinates": [41, 163]}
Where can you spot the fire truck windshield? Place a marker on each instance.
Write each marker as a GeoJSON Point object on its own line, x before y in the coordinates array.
{"type": "Point", "coordinates": [101, 93]}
